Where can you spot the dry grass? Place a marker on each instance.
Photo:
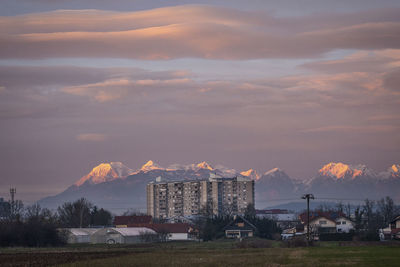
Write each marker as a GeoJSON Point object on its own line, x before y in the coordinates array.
{"type": "Point", "coordinates": [225, 253]}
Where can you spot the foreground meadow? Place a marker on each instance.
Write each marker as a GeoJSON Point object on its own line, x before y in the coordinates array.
{"type": "Point", "coordinates": [217, 253]}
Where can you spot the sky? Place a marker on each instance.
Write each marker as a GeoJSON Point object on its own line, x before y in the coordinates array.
{"type": "Point", "coordinates": [246, 84]}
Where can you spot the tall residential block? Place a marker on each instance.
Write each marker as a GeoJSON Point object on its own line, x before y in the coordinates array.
{"type": "Point", "coordinates": [184, 198]}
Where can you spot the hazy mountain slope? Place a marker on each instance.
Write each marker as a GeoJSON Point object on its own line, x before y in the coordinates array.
{"type": "Point", "coordinates": [118, 188]}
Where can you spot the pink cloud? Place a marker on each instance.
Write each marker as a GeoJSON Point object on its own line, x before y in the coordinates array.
{"type": "Point", "coordinates": [91, 137]}
{"type": "Point", "coordinates": [187, 31]}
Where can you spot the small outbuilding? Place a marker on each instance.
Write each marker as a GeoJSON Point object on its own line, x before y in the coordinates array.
{"type": "Point", "coordinates": [79, 235]}
{"type": "Point", "coordinates": [239, 228]}
{"type": "Point", "coordinates": [172, 231]}
{"type": "Point", "coordinates": [127, 235]}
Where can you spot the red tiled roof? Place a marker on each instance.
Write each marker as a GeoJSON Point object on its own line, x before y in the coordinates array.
{"type": "Point", "coordinates": [395, 231]}
{"type": "Point", "coordinates": [166, 227]}
{"type": "Point", "coordinates": [125, 220]}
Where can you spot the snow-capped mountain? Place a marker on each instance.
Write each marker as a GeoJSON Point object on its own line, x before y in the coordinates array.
{"type": "Point", "coordinates": [116, 187]}
{"type": "Point", "coordinates": [150, 166]}
{"type": "Point", "coordinates": [273, 185]}
{"type": "Point", "coordinates": [343, 171]}
{"type": "Point", "coordinates": [392, 172]}
{"type": "Point", "coordinates": [251, 173]}
{"type": "Point", "coordinates": [105, 172]}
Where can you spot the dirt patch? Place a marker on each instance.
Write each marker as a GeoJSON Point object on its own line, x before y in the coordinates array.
{"type": "Point", "coordinates": [53, 258]}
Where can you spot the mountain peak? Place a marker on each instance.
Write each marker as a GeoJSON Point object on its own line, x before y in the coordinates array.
{"type": "Point", "coordinates": [251, 173]}
{"type": "Point", "coordinates": [273, 172]}
{"type": "Point", "coordinates": [151, 165]}
{"type": "Point", "coordinates": [340, 170]}
{"type": "Point", "coordinates": [105, 172]}
{"type": "Point", "coordinates": [204, 165]}
{"type": "Point", "coordinates": [395, 168]}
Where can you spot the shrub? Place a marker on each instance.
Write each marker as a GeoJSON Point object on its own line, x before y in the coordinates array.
{"type": "Point", "coordinates": [257, 243]}
{"type": "Point", "coordinates": [298, 241]}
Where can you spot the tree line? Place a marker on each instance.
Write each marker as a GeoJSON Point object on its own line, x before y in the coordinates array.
{"type": "Point", "coordinates": [37, 226]}
{"type": "Point", "coordinates": [368, 217]}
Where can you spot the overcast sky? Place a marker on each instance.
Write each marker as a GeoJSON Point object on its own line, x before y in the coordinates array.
{"type": "Point", "coordinates": [246, 84]}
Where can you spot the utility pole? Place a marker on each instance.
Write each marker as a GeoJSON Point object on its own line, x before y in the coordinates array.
{"type": "Point", "coordinates": [308, 197]}
{"type": "Point", "coordinates": [13, 191]}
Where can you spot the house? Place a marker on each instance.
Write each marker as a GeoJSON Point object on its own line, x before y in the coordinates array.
{"type": "Point", "coordinates": [124, 221]}
{"type": "Point", "coordinates": [395, 228]}
{"type": "Point", "coordinates": [344, 225]}
{"type": "Point", "coordinates": [172, 231]}
{"type": "Point", "coordinates": [124, 235]}
{"type": "Point", "coordinates": [239, 228]}
{"type": "Point", "coordinates": [326, 222]}
{"type": "Point", "coordinates": [79, 235]}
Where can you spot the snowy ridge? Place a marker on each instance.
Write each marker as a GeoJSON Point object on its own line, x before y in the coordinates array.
{"type": "Point", "coordinates": [252, 174]}
{"type": "Point", "coordinates": [105, 172]}
{"type": "Point", "coordinates": [343, 171]}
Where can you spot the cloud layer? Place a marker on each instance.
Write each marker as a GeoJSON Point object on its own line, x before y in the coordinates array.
{"type": "Point", "coordinates": [192, 31]}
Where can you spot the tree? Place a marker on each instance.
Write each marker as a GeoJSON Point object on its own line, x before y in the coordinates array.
{"type": "Point", "coordinates": [347, 209]}
{"type": "Point", "coordinates": [386, 209]}
{"type": "Point", "coordinates": [75, 214]}
{"type": "Point", "coordinates": [100, 217]}
{"type": "Point", "coordinates": [340, 207]}
{"type": "Point", "coordinates": [358, 213]}
{"type": "Point", "coordinates": [369, 213]}
{"type": "Point", "coordinates": [34, 227]}
{"type": "Point", "coordinates": [250, 211]}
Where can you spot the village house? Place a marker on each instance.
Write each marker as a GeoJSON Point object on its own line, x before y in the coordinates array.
{"type": "Point", "coordinates": [239, 228]}
{"type": "Point", "coordinates": [327, 222]}
{"type": "Point", "coordinates": [395, 228]}
{"type": "Point", "coordinates": [344, 225]}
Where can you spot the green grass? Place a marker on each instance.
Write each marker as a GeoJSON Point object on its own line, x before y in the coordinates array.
{"type": "Point", "coordinates": [216, 253]}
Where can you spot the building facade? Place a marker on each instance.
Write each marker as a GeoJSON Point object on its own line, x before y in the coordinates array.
{"type": "Point", "coordinates": [213, 196]}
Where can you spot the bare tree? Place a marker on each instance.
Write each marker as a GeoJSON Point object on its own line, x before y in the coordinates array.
{"type": "Point", "coordinates": [347, 209]}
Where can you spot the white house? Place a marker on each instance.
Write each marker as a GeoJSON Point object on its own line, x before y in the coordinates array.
{"type": "Point", "coordinates": [343, 225]}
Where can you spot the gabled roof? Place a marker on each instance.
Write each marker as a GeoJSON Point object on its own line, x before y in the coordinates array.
{"type": "Point", "coordinates": [239, 219]}
{"type": "Point", "coordinates": [125, 220]}
{"type": "Point", "coordinates": [317, 214]}
{"type": "Point", "coordinates": [395, 219]}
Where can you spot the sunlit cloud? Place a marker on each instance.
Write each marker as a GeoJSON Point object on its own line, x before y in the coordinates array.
{"type": "Point", "coordinates": [91, 137]}
{"type": "Point", "coordinates": [189, 31]}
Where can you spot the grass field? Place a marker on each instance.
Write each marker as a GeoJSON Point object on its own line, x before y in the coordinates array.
{"type": "Point", "coordinates": [217, 253]}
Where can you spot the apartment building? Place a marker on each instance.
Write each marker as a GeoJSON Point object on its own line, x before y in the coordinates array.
{"type": "Point", "coordinates": [215, 195]}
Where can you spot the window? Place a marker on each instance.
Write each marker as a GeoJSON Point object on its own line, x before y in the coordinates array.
{"type": "Point", "coordinates": [322, 222]}
{"type": "Point", "coordinates": [343, 222]}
